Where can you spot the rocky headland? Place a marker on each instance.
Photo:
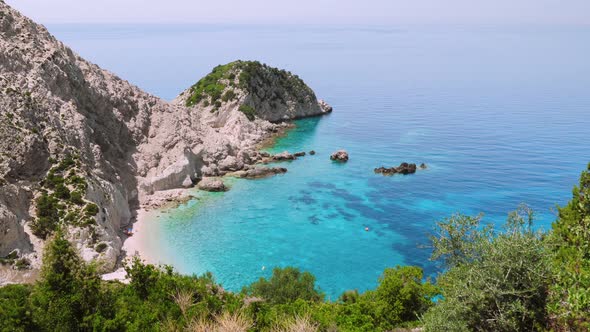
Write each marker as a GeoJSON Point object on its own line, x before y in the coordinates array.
{"type": "Point", "coordinates": [82, 150]}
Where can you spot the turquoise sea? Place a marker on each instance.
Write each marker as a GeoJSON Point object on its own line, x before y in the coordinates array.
{"type": "Point", "coordinates": [501, 115]}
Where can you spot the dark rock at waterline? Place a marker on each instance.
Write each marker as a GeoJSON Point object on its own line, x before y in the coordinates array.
{"type": "Point", "coordinates": [423, 166]}
{"type": "Point", "coordinates": [283, 156]}
{"type": "Point", "coordinates": [260, 172]}
{"type": "Point", "coordinates": [403, 168]}
{"type": "Point", "coordinates": [299, 154]}
{"type": "Point", "coordinates": [312, 152]}
{"type": "Point", "coordinates": [340, 155]}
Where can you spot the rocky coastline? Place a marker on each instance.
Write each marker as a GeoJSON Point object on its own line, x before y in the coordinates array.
{"type": "Point", "coordinates": [83, 150]}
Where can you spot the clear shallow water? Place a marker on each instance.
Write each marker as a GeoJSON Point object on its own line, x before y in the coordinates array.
{"type": "Point", "coordinates": [500, 115]}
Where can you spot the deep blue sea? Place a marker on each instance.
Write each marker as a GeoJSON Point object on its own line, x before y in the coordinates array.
{"type": "Point", "coordinates": [501, 115]}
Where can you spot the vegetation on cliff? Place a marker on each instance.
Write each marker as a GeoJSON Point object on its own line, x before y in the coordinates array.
{"type": "Point", "coordinates": [251, 78]}
{"type": "Point", "coordinates": [510, 279]}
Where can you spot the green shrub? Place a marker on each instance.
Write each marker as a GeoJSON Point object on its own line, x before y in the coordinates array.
{"type": "Point", "coordinates": [47, 210]}
{"type": "Point", "coordinates": [52, 180]}
{"type": "Point", "coordinates": [570, 293]}
{"type": "Point", "coordinates": [494, 280]}
{"type": "Point", "coordinates": [15, 310]}
{"type": "Point", "coordinates": [22, 264]}
{"type": "Point", "coordinates": [91, 209]}
{"type": "Point", "coordinates": [249, 111]}
{"type": "Point", "coordinates": [76, 197]}
{"type": "Point", "coordinates": [286, 285]}
{"type": "Point", "coordinates": [101, 247]}
{"type": "Point", "coordinates": [228, 95]}
{"type": "Point", "coordinates": [62, 192]}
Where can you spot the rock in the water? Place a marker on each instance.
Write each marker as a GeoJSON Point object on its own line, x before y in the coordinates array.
{"type": "Point", "coordinates": [312, 152]}
{"type": "Point", "coordinates": [339, 155]}
{"type": "Point", "coordinates": [299, 154]}
{"type": "Point", "coordinates": [211, 184]}
{"type": "Point", "coordinates": [283, 156]}
{"type": "Point", "coordinates": [324, 106]}
{"type": "Point", "coordinates": [260, 172]}
{"type": "Point", "coordinates": [423, 166]}
{"type": "Point", "coordinates": [403, 168]}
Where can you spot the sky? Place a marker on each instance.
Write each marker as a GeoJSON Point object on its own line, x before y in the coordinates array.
{"type": "Point", "coordinates": [308, 11]}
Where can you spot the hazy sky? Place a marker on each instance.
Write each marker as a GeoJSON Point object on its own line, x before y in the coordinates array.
{"type": "Point", "coordinates": [308, 11]}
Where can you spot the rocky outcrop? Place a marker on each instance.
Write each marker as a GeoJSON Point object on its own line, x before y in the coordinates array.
{"type": "Point", "coordinates": [211, 184]}
{"type": "Point", "coordinates": [283, 156]}
{"type": "Point", "coordinates": [340, 155]}
{"type": "Point", "coordinates": [259, 172]}
{"type": "Point", "coordinates": [99, 147]}
{"type": "Point", "coordinates": [256, 90]}
{"type": "Point", "coordinates": [403, 168]}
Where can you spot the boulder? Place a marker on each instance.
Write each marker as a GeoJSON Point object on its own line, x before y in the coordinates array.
{"type": "Point", "coordinates": [340, 155]}
{"type": "Point", "coordinates": [230, 163]}
{"type": "Point", "coordinates": [423, 166]}
{"type": "Point", "coordinates": [403, 168]}
{"type": "Point", "coordinates": [312, 152]}
{"type": "Point", "coordinates": [260, 172]}
{"type": "Point", "coordinates": [299, 154]}
{"type": "Point", "coordinates": [283, 156]}
{"type": "Point", "coordinates": [211, 184]}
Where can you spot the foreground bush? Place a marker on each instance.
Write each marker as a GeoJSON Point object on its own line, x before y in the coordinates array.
{"type": "Point", "coordinates": [570, 240]}
{"type": "Point", "coordinates": [495, 280]}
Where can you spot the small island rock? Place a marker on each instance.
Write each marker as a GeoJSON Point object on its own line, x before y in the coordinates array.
{"type": "Point", "coordinates": [403, 168]}
{"type": "Point", "coordinates": [312, 152]}
{"type": "Point", "coordinates": [340, 155]}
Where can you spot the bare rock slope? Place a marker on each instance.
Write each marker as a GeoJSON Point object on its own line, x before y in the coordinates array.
{"type": "Point", "coordinates": [81, 149]}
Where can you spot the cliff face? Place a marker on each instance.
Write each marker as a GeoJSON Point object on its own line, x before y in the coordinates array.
{"type": "Point", "coordinates": [81, 149]}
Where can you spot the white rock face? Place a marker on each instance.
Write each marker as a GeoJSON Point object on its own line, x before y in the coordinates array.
{"type": "Point", "coordinates": [211, 184]}
{"type": "Point", "coordinates": [129, 145]}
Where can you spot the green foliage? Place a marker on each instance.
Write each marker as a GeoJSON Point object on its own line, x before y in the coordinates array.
{"type": "Point", "coordinates": [495, 281]}
{"type": "Point", "coordinates": [68, 294]}
{"type": "Point", "coordinates": [91, 210]}
{"type": "Point", "coordinates": [62, 192]}
{"type": "Point", "coordinates": [100, 247]}
{"type": "Point", "coordinates": [286, 285]}
{"type": "Point", "coordinates": [249, 111]}
{"type": "Point", "coordinates": [210, 86]}
{"type": "Point", "coordinates": [570, 294]}
{"type": "Point", "coordinates": [76, 197]}
{"type": "Point", "coordinates": [228, 95]}
{"type": "Point", "coordinates": [402, 295]}
{"type": "Point", "coordinates": [15, 312]}
{"type": "Point", "coordinates": [47, 210]}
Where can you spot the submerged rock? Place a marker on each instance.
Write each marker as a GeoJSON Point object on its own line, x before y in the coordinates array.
{"type": "Point", "coordinates": [211, 184]}
{"type": "Point", "coordinates": [340, 155]}
{"type": "Point", "coordinates": [312, 152]}
{"type": "Point", "coordinates": [423, 166]}
{"type": "Point", "coordinates": [299, 154]}
{"type": "Point", "coordinates": [260, 172]}
{"type": "Point", "coordinates": [403, 168]}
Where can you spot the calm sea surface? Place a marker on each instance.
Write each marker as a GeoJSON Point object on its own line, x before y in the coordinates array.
{"type": "Point", "coordinates": [500, 114]}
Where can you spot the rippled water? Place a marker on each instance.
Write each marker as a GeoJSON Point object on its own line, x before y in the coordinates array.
{"type": "Point", "coordinates": [500, 115]}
